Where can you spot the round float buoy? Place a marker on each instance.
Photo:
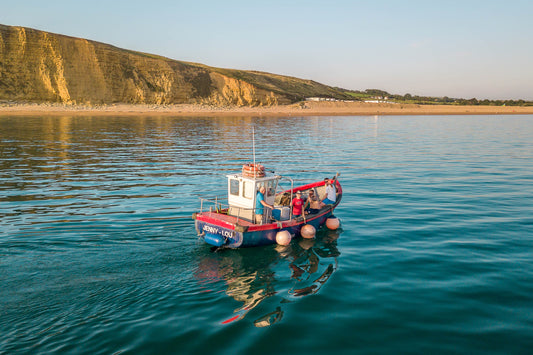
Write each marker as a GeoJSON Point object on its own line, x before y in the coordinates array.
{"type": "Point", "coordinates": [283, 238]}
{"type": "Point", "coordinates": [333, 223]}
{"type": "Point", "coordinates": [308, 231]}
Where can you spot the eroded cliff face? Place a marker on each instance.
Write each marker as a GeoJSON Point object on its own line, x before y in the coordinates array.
{"type": "Point", "coordinates": [39, 66]}
{"type": "Point", "coordinates": [231, 91]}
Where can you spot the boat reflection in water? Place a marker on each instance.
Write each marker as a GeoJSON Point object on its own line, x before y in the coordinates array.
{"type": "Point", "coordinates": [253, 275]}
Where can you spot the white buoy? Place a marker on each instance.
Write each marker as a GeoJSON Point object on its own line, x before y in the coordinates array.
{"type": "Point", "coordinates": [308, 231]}
{"type": "Point", "coordinates": [333, 223]}
{"type": "Point", "coordinates": [283, 238]}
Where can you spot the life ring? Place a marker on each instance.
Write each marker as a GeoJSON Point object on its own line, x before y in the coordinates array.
{"type": "Point", "coordinates": [253, 170]}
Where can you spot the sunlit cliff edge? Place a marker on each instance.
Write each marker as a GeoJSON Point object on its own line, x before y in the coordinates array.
{"type": "Point", "coordinates": [38, 66]}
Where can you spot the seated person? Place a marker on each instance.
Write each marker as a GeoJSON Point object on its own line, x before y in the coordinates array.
{"type": "Point", "coordinates": [313, 204]}
{"type": "Point", "coordinates": [308, 200]}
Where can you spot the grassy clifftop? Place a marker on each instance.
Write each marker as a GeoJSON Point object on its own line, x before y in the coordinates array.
{"type": "Point", "coordinates": [38, 66]}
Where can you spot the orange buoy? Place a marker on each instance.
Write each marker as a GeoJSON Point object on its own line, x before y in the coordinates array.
{"type": "Point", "coordinates": [308, 231]}
{"type": "Point", "coordinates": [253, 170]}
{"type": "Point", "coordinates": [333, 223]}
{"type": "Point", "coordinates": [283, 238]}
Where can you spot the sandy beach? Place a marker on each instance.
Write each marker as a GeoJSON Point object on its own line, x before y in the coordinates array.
{"type": "Point", "coordinates": [307, 108]}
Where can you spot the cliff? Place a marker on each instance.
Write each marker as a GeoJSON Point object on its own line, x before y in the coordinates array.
{"type": "Point", "coordinates": [37, 66]}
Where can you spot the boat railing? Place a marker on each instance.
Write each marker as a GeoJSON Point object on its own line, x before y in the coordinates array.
{"type": "Point", "coordinates": [213, 202]}
{"type": "Point", "coordinates": [216, 205]}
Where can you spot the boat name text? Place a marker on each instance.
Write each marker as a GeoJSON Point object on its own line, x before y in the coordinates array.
{"type": "Point", "coordinates": [214, 230]}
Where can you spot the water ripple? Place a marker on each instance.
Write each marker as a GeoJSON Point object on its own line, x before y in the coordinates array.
{"type": "Point", "coordinates": [98, 252]}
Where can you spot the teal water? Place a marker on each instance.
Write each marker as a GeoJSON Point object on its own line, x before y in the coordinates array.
{"type": "Point", "coordinates": [98, 253]}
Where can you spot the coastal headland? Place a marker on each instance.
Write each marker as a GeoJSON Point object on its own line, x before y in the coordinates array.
{"type": "Point", "coordinates": [304, 108]}
{"type": "Point", "coordinates": [44, 73]}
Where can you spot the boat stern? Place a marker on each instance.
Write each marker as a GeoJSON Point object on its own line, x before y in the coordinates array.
{"type": "Point", "coordinates": [218, 234]}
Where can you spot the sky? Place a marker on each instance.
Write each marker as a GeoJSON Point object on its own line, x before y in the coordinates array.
{"type": "Point", "coordinates": [459, 49]}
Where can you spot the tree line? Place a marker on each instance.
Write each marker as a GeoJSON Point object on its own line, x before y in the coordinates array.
{"type": "Point", "coordinates": [430, 100]}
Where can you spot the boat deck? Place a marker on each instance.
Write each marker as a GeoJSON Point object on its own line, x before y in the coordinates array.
{"type": "Point", "coordinates": [228, 219]}
{"type": "Point", "coordinates": [232, 220]}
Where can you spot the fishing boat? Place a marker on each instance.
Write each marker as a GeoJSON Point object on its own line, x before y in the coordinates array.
{"type": "Point", "coordinates": [232, 222]}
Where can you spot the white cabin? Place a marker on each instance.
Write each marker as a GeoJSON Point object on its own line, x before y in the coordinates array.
{"type": "Point", "coordinates": [242, 193]}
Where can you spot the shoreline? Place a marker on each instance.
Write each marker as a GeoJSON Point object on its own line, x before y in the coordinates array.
{"type": "Point", "coordinates": [306, 108]}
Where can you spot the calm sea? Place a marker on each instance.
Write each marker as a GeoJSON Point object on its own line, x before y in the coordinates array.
{"type": "Point", "coordinates": [99, 255]}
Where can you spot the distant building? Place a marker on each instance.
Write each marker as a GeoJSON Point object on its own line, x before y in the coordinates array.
{"type": "Point", "coordinates": [320, 99]}
{"type": "Point", "coordinates": [380, 102]}
{"type": "Point", "coordinates": [326, 99]}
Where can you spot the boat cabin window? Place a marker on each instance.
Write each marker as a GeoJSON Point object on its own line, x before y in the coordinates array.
{"type": "Point", "coordinates": [270, 187]}
{"type": "Point", "coordinates": [234, 187]}
{"type": "Point", "coordinates": [247, 189]}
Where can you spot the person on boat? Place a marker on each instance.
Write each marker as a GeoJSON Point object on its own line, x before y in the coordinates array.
{"type": "Point", "coordinates": [331, 194]}
{"type": "Point", "coordinates": [297, 204]}
{"type": "Point", "coordinates": [260, 204]}
{"type": "Point", "coordinates": [313, 205]}
{"type": "Point", "coordinates": [307, 203]}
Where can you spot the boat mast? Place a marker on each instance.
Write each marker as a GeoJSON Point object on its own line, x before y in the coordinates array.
{"type": "Point", "coordinates": [253, 142]}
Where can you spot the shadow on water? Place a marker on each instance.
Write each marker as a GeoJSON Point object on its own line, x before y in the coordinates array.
{"type": "Point", "coordinates": [279, 274]}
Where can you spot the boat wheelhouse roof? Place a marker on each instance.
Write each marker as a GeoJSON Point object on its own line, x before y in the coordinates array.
{"type": "Point", "coordinates": [267, 177]}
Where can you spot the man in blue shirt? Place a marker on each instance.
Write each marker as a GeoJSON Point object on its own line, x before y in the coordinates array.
{"type": "Point", "coordinates": [259, 204]}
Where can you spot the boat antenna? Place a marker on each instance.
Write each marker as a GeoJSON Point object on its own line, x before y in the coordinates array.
{"type": "Point", "coordinates": [253, 142]}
